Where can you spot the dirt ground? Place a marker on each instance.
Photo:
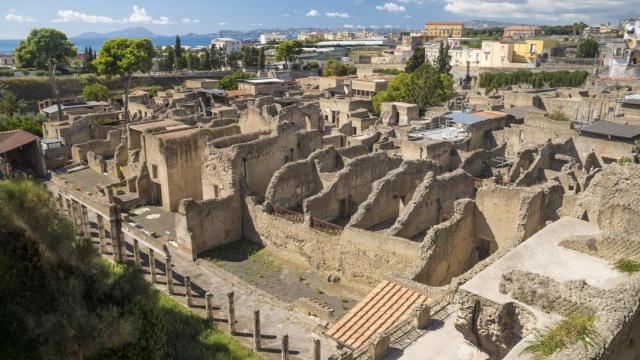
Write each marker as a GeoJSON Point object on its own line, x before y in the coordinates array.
{"type": "Point", "coordinates": [281, 278]}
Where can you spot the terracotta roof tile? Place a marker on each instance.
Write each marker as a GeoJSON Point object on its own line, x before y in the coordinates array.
{"type": "Point", "coordinates": [387, 305]}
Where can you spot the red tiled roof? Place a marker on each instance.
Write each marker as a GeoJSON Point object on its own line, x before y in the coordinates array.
{"type": "Point", "coordinates": [387, 305]}
{"type": "Point", "coordinates": [10, 140]}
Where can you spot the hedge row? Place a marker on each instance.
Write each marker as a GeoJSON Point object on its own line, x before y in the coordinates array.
{"type": "Point", "coordinates": [497, 80]}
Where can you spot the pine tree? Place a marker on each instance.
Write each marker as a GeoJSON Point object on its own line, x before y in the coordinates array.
{"type": "Point", "coordinates": [416, 60]}
{"type": "Point", "coordinates": [443, 61]}
{"type": "Point", "coordinates": [178, 53]}
{"type": "Point", "coordinates": [171, 59]}
{"type": "Point", "coordinates": [261, 59]}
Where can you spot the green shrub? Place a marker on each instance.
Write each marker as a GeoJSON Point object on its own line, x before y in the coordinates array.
{"type": "Point", "coordinates": [230, 82]}
{"type": "Point", "coordinates": [95, 92]}
{"type": "Point", "coordinates": [27, 122]}
{"type": "Point", "coordinates": [628, 266]}
{"type": "Point", "coordinates": [558, 116]}
{"type": "Point", "coordinates": [578, 327]}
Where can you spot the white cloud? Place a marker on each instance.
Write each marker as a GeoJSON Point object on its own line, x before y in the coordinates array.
{"type": "Point", "coordinates": [546, 10]}
{"type": "Point", "coordinates": [190, 21]}
{"type": "Point", "coordinates": [138, 16]}
{"type": "Point", "coordinates": [337, 14]}
{"type": "Point", "coordinates": [349, 26]}
{"type": "Point", "coordinates": [65, 16]}
{"type": "Point", "coordinates": [392, 7]}
{"type": "Point", "coordinates": [419, 2]}
{"type": "Point", "coordinates": [313, 13]}
{"type": "Point", "coordinates": [13, 16]}
{"type": "Point", "coordinates": [222, 23]}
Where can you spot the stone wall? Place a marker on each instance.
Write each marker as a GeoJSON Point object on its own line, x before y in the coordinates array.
{"type": "Point", "coordinates": [450, 248]}
{"type": "Point", "coordinates": [478, 163]}
{"type": "Point", "coordinates": [293, 183]}
{"type": "Point", "coordinates": [442, 152]}
{"type": "Point", "coordinates": [206, 224]}
{"type": "Point", "coordinates": [104, 147]}
{"type": "Point", "coordinates": [392, 193]}
{"type": "Point", "coordinates": [433, 202]}
{"type": "Point", "coordinates": [351, 187]}
{"type": "Point", "coordinates": [354, 256]}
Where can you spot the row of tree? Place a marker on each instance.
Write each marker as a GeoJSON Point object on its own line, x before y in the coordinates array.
{"type": "Point", "coordinates": [51, 49]}
{"type": "Point", "coordinates": [498, 80]}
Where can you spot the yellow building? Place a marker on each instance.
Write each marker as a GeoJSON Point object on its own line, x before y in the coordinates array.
{"type": "Point", "coordinates": [530, 50]}
{"type": "Point", "coordinates": [443, 29]}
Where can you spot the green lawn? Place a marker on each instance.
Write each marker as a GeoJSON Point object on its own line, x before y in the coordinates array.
{"type": "Point", "coordinates": [190, 337]}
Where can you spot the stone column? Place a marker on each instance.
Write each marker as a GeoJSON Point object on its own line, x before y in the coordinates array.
{"type": "Point", "coordinates": [136, 252]}
{"type": "Point", "coordinates": [379, 345]}
{"type": "Point", "coordinates": [187, 291]}
{"type": "Point", "coordinates": [60, 202]}
{"type": "Point", "coordinates": [285, 347]}
{"type": "Point", "coordinates": [209, 305]}
{"type": "Point", "coordinates": [231, 313]}
{"type": "Point", "coordinates": [69, 208]}
{"type": "Point", "coordinates": [84, 218]}
{"type": "Point", "coordinates": [421, 316]}
{"type": "Point", "coordinates": [115, 229]}
{"type": "Point", "coordinates": [76, 216]}
{"type": "Point", "coordinates": [169, 273]}
{"type": "Point", "coordinates": [152, 266]}
{"type": "Point", "coordinates": [256, 330]}
{"type": "Point", "coordinates": [316, 349]}
{"type": "Point", "coordinates": [101, 234]}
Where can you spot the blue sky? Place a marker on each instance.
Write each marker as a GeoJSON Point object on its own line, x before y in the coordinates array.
{"type": "Point", "coordinates": [204, 16]}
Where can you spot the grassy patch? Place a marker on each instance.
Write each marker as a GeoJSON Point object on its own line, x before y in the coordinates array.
{"type": "Point", "coordinates": [578, 327]}
{"type": "Point", "coordinates": [257, 262]}
{"type": "Point", "coordinates": [628, 266]}
{"type": "Point", "coordinates": [188, 336]}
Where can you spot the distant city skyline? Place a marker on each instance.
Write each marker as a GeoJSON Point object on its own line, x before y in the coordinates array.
{"type": "Point", "coordinates": [205, 16]}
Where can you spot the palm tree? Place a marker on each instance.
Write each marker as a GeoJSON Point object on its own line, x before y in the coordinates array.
{"type": "Point", "coordinates": [9, 102]}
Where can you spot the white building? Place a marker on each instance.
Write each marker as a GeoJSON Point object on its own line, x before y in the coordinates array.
{"type": "Point", "coordinates": [459, 56]}
{"type": "Point", "coordinates": [230, 46]}
{"type": "Point", "coordinates": [266, 38]}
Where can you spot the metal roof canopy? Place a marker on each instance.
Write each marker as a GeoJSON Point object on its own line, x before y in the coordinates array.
{"type": "Point", "coordinates": [466, 119]}
{"type": "Point", "coordinates": [613, 129]}
{"type": "Point", "coordinates": [11, 140]}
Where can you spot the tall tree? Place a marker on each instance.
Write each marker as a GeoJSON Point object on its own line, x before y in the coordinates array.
{"type": "Point", "coordinates": [416, 60]}
{"type": "Point", "coordinates": [124, 57]}
{"type": "Point", "coordinates": [261, 59]}
{"type": "Point", "coordinates": [443, 62]}
{"type": "Point", "coordinates": [49, 49]}
{"type": "Point", "coordinates": [171, 58]}
{"type": "Point", "coordinates": [587, 48]}
{"type": "Point", "coordinates": [288, 51]}
{"type": "Point", "coordinates": [178, 53]}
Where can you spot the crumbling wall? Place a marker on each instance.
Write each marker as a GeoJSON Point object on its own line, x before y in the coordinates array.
{"type": "Point", "coordinates": [612, 200]}
{"type": "Point", "coordinates": [104, 147]}
{"type": "Point", "coordinates": [293, 183]}
{"type": "Point", "coordinates": [478, 164]}
{"type": "Point", "coordinates": [442, 152]}
{"type": "Point", "coordinates": [509, 215]}
{"type": "Point", "coordinates": [353, 256]}
{"type": "Point", "coordinates": [206, 224]}
{"type": "Point", "coordinates": [494, 328]}
{"type": "Point", "coordinates": [327, 160]}
{"type": "Point", "coordinates": [351, 152]}
{"type": "Point", "coordinates": [433, 202]}
{"type": "Point", "coordinates": [351, 187]}
{"type": "Point", "coordinates": [449, 249]}
{"type": "Point", "coordinates": [392, 193]}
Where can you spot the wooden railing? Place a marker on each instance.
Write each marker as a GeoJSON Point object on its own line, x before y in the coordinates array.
{"type": "Point", "coordinates": [326, 227]}
{"type": "Point", "coordinates": [288, 214]}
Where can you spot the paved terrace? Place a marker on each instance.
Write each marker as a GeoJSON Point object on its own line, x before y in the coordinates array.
{"type": "Point", "coordinates": [275, 318]}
